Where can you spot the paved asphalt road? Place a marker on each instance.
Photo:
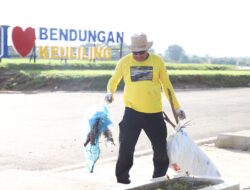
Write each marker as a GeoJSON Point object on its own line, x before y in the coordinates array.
{"type": "Point", "coordinates": [40, 131]}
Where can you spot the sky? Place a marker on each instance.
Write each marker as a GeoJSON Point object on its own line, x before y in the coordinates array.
{"type": "Point", "coordinates": [217, 28]}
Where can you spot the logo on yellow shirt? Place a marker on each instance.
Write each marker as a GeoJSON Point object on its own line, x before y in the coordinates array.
{"type": "Point", "coordinates": [141, 73]}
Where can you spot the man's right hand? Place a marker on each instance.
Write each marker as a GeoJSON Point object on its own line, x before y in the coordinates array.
{"type": "Point", "coordinates": [108, 98]}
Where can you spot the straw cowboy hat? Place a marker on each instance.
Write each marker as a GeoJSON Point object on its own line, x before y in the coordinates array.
{"type": "Point", "coordinates": [139, 42]}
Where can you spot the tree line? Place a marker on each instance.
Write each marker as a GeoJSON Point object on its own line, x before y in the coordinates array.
{"type": "Point", "coordinates": [176, 53]}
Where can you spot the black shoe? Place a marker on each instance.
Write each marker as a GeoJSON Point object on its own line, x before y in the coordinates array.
{"type": "Point", "coordinates": [124, 181]}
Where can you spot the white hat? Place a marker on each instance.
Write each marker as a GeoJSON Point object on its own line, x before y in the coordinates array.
{"type": "Point", "coordinates": [139, 42]}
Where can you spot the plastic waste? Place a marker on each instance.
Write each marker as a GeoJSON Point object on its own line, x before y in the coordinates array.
{"type": "Point", "coordinates": [186, 158]}
{"type": "Point", "coordinates": [97, 121]}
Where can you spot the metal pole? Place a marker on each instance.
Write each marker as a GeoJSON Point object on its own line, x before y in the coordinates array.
{"type": "Point", "coordinates": [0, 44]}
{"type": "Point", "coordinates": [121, 46]}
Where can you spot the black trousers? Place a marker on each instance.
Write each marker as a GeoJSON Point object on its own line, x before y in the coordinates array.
{"type": "Point", "coordinates": [130, 128]}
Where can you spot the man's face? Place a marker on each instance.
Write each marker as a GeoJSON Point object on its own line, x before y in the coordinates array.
{"type": "Point", "coordinates": [140, 55]}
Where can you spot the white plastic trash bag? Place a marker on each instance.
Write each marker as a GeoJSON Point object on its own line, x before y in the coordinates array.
{"type": "Point", "coordinates": [185, 157]}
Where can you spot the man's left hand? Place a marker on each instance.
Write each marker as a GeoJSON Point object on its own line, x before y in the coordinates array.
{"type": "Point", "coordinates": [181, 114]}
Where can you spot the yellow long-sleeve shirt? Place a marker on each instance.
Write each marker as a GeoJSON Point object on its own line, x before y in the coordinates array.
{"type": "Point", "coordinates": [143, 83]}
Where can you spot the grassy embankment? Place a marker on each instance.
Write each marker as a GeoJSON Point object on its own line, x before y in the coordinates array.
{"type": "Point", "coordinates": [21, 75]}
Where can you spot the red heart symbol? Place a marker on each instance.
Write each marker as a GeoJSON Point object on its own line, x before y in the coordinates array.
{"type": "Point", "coordinates": [23, 41]}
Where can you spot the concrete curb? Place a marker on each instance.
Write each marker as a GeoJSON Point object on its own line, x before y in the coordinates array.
{"type": "Point", "coordinates": [100, 162]}
{"type": "Point", "coordinates": [137, 155]}
{"type": "Point", "coordinates": [237, 140]}
{"type": "Point", "coordinates": [209, 140]}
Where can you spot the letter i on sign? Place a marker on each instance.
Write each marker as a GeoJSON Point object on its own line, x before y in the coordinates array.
{"type": "Point", "coordinates": [4, 41]}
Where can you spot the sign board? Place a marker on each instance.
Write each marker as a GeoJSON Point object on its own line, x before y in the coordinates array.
{"type": "Point", "coordinates": [64, 43]}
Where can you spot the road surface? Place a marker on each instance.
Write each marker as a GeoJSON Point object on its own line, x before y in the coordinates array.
{"type": "Point", "coordinates": [43, 130]}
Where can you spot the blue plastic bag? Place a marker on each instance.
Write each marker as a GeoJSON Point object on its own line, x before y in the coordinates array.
{"type": "Point", "coordinates": [98, 121]}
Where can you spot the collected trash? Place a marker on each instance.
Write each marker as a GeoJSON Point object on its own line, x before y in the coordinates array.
{"type": "Point", "coordinates": [97, 123]}
{"type": "Point", "coordinates": [185, 156]}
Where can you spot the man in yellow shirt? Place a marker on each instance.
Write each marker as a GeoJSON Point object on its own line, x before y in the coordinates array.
{"type": "Point", "coordinates": [144, 75]}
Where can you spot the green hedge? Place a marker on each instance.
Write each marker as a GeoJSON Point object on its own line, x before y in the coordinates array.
{"type": "Point", "coordinates": [97, 79]}
{"type": "Point", "coordinates": [106, 66]}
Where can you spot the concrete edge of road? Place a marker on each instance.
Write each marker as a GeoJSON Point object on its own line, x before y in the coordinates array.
{"type": "Point", "coordinates": [113, 159]}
